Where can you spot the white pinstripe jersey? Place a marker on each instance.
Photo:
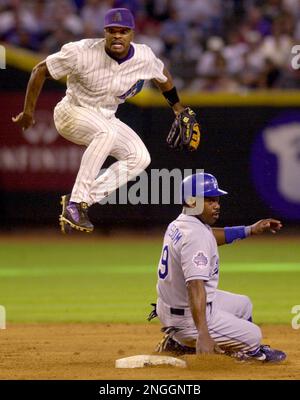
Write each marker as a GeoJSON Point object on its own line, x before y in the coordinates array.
{"type": "Point", "coordinates": [97, 81]}
{"type": "Point", "coordinates": [189, 252]}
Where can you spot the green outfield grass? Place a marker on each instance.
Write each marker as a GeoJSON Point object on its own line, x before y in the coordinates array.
{"type": "Point", "coordinates": [114, 281]}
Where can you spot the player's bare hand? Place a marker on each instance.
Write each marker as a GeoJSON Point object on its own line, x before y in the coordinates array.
{"type": "Point", "coordinates": [266, 225]}
{"type": "Point", "coordinates": [207, 345]}
{"type": "Point", "coordinates": [24, 121]}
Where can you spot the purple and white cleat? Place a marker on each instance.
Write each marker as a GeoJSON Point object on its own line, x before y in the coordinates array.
{"type": "Point", "coordinates": [74, 215]}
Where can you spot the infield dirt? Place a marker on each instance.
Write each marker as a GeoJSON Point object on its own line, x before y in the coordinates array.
{"type": "Point", "coordinates": [89, 351]}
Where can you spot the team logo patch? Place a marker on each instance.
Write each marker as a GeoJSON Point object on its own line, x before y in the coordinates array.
{"type": "Point", "coordinates": [200, 260]}
{"type": "Point", "coordinates": [215, 263]}
{"type": "Point", "coordinates": [136, 88]}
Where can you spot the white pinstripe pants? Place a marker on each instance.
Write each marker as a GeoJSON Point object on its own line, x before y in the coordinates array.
{"type": "Point", "coordinates": [103, 137]}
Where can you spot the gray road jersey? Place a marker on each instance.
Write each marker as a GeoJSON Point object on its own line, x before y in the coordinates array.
{"type": "Point", "coordinates": [189, 252]}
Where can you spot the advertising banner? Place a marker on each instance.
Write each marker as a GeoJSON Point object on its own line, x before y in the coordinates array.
{"type": "Point", "coordinates": [253, 152]}
{"type": "Point", "coordinates": [37, 159]}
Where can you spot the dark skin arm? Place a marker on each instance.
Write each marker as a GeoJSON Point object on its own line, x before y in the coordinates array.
{"type": "Point", "coordinates": [168, 85]}
{"type": "Point", "coordinates": [197, 303]}
{"type": "Point", "coordinates": [264, 225]}
{"type": "Point", "coordinates": [37, 78]}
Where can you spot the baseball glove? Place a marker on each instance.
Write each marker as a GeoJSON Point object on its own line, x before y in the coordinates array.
{"type": "Point", "coordinates": [185, 131]}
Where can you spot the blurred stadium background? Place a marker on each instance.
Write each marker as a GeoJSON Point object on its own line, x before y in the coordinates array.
{"type": "Point", "coordinates": [232, 62]}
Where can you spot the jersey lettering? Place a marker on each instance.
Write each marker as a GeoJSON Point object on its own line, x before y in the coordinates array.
{"type": "Point", "coordinates": [175, 233]}
{"type": "Point", "coordinates": [164, 262]}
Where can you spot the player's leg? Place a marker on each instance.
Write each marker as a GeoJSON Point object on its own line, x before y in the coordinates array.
{"type": "Point", "coordinates": [86, 127]}
{"type": "Point", "coordinates": [239, 337]}
{"type": "Point", "coordinates": [231, 333]}
{"type": "Point", "coordinates": [236, 304]}
{"type": "Point", "coordinates": [236, 336]}
{"type": "Point", "coordinates": [241, 307]}
{"type": "Point", "coordinates": [133, 157]}
{"type": "Point", "coordinates": [70, 122]}
{"type": "Point", "coordinates": [172, 326]}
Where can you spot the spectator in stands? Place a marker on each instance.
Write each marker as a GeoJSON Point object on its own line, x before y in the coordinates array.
{"type": "Point", "coordinates": [212, 69]}
{"type": "Point", "coordinates": [276, 49]}
{"type": "Point", "coordinates": [174, 32]}
{"type": "Point", "coordinates": [234, 52]}
{"type": "Point", "coordinates": [177, 30]}
{"type": "Point", "coordinates": [150, 36]}
{"type": "Point", "coordinates": [252, 74]}
{"type": "Point", "coordinates": [54, 42]}
{"type": "Point", "coordinates": [158, 10]}
{"type": "Point", "coordinates": [93, 13]}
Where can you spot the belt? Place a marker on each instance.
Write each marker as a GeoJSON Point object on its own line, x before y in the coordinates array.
{"type": "Point", "coordinates": [177, 311]}
{"type": "Point", "coordinates": [180, 311]}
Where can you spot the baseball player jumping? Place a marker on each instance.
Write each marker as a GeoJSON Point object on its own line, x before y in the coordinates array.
{"type": "Point", "coordinates": [101, 74]}
{"type": "Point", "coordinates": [197, 317]}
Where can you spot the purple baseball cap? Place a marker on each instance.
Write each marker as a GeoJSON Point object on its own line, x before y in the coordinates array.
{"type": "Point", "coordinates": [119, 17]}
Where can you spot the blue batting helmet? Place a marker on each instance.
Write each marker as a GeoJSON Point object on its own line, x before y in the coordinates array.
{"type": "Point", "coordinates": [200, 185]}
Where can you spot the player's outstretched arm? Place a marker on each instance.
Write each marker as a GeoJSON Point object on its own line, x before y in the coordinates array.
{"type": "Point", "coordinates": [231, 234]}
{"type": "Point", "coordinates": [37, 78]}
{"type": "Point", "coordinates": [169, 91]}
{"type": "Point", "coordinates": [219, 234]}
{"type": "Point", "coordinates": [266, 225]}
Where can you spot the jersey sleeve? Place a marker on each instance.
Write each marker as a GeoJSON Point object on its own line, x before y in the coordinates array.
{"type": "Point", "coordinates": [195, 258]}
{"type": "Point", "coordinates": [63, 62]}
{"type": "Point", "coordinates": [157, 69]}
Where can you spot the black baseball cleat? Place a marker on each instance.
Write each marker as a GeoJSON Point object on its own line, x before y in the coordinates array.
{"type": "Point", "coordinates": [74, 215]}
{"type": "Point", "coordinates": [169, 345]}
{"type": "Point", "coordinates": [64, 226]}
